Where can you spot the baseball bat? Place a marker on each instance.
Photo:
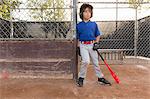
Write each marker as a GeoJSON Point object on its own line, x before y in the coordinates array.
{"type": "Point", "coordinates": [111, 71]}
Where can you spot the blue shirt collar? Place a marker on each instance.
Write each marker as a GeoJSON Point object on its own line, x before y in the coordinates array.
{"type": "Point", "coordinates": [86, 22]}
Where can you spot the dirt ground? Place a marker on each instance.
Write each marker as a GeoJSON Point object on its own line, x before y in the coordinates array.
{"type": "Point", "coordinates": [135, 84]}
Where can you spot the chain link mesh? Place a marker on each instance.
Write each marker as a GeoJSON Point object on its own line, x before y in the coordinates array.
{"type": "Point", "coordinates": [125, 25]}
{"type": "Point", "coordinates": [37, 19]}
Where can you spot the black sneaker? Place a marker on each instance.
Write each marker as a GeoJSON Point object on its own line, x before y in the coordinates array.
{"type": "Point", "coordinates": [103, 81]}
{"type": "Point", "coordinates": [80, 82]}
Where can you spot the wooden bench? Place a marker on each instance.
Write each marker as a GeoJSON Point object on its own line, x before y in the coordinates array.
{"type": "Point", "coordinates": [112, 56]}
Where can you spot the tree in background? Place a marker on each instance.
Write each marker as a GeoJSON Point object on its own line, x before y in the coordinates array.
{"type": "Point", "coordinates": [46, 10]}
{"type": "Point", "coordinates": [137, 3]}
{"type": "Point", "coordinates": [52, 11]}
{"type": "Point", "coordinates": [6, 6]}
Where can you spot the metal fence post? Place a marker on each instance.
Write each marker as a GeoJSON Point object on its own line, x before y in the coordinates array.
{"type": "Point", "coordinates": [75, 66]}
{"type": "Point", "coordinates": [11, 22]}
{"type": "Point", "coordinates": [135, 34]}
{"type": "Point", "coordinates": [116, 15]}
{"type": "Point", "coordinates": [74, 17]}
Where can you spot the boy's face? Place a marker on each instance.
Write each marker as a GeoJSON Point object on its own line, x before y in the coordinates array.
{"type": "Point", "coordinates": [87, 14]}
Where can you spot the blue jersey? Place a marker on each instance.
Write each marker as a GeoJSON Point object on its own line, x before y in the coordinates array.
{"type": "Point", "coordinates": [87, 31]}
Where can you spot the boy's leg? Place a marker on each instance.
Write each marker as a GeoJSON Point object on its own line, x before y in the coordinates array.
{"type": "Point", "coordinates": [85, 60]}
{"type": "Point", "coordinates": [95, 61]}
{"type": "Point", "coordinates": [101, 79]}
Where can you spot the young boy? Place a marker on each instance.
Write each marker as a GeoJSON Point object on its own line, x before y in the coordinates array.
{"type": "Point", "coordinates": [88, 34]}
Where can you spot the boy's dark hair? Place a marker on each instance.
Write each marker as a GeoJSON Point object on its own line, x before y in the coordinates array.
{"type": "Point", "coordinates": [83, 7]}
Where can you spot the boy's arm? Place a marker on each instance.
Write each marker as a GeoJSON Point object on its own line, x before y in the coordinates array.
{"type": "Point", "coordinates": [97, 33]}
{"type": "Point", "coordinates": [78, 43]}
{"type": "Point", "coordinates": [97, 38]}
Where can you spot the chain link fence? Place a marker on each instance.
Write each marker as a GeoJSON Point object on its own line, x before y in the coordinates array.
{"type": "Point", "coordinates": [143, 46]}
{"type": "Point", "coordinates": [125, 25]}
{"type": "Point", "coordinates": [36, 19]}
{"type": "Point", "coordinates": [36, 38]}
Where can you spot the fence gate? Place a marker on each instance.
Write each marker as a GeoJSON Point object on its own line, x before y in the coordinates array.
{"type": "Point", "coordinates": [36, 39]}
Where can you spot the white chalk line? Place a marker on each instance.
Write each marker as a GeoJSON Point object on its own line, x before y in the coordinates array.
{"type": "Point", "coordinates": [142, 67]}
